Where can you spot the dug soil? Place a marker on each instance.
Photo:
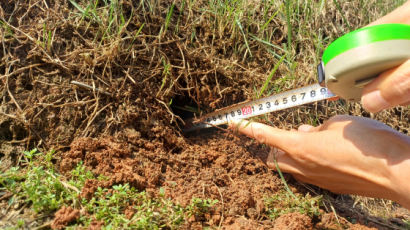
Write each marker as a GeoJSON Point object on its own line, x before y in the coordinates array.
{"type": "Point", "coordinates": [127, 124]}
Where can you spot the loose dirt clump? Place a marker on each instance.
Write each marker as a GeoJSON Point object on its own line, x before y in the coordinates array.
{"type": "Point", "coordinates": [64, 216]}
{"type": "Point", "coordinates": [96, 225]}
{"type": "Point", "coordinates": [225, 171]}
{"type": "Point", "coordinates": [293, 221]}
{"type": "Point", "coordinates": [330, 221]}
{"type": "Point", "coordinates": [103, 157]}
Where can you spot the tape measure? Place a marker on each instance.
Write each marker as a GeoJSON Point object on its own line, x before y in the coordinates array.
{"type": "Point", "coordinates": [348, 64]}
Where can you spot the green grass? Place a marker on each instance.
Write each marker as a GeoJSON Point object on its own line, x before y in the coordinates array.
{"type": "Point", "coordinates": [283, 203]}
{"type": "Point", "coordinates": [109, 16]}
{"type": "Point", "coordinates": [38, 185]}
{"type": "Point", "coordinates": [167, 20]}
{"type": "Point", "coordinates": [269, 78]}
{"type": "Point", "coordinates": [45, 191]}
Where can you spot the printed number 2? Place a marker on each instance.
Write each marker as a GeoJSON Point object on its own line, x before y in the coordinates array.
{"type": "Point", "coordinates": [246, 110]}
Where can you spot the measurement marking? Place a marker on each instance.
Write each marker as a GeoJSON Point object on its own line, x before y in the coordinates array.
{"type": "Point", "coordinates": [287, 99]}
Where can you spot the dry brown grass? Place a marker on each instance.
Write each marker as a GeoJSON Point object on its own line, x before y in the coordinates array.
{"type": "Point", "coordinates": [140, 59]}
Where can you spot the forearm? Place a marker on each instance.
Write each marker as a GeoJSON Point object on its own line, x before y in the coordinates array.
{"type": "Point", "coordinates": [399, 15]}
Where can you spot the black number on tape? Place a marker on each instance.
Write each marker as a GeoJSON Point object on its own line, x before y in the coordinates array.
{"type": "Point", "coordinates": [285, 100]}
{"type": "Point", "coordinates": [232, 114]}
{"type": "Point", "coordinates": [293, 98]}
{"type": "Point", "coordinates": [323, 91]}
{"type": "Point", "coordinates": [239, 112]}
{"type": "Point", "coordinates": [260, 107]}
{"type": "Point", "coordinates": [303, 95]}
{"type": "Point", "coordinates": [313, 93]}
{"type": "Point", "coordinates": [276, 102]}
{"type": "Point", "coordinates": [268, 104]}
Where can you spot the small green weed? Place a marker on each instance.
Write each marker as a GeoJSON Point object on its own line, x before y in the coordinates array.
{"type": "Point", "coordinates": [108, 205]}
{"type": "Point", "coordinates": [284, 203]}
{"type": "Point", "coordinates": [119, 207]}
{"type": "Point", "coordinates": [8, 32]}
{"type": "Point", "coordinates": [199, 206]}
{"type": "Point", "coordinates": [38, 183]}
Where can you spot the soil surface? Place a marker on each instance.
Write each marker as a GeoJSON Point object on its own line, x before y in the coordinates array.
{"type": "Point", "coordinates": [125, 127]}
{"type": "Point", "coordinates": [64, 216]}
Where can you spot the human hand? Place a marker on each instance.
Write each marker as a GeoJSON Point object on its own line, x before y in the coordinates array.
{"type": "Point", "coordinates": [349, 155]}
{"type": "Point", "coordinates": [392, 87]}
{"type": "Point", "coordinates": [389, 89]}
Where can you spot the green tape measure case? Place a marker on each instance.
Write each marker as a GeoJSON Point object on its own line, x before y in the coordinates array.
{"type": "Point", "coordinates": [353, 60]}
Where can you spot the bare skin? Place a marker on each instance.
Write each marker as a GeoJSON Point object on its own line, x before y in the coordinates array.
{"type": "Point", "coordinates": [392, 87]}
{"type": "Point", "coordinates": [347, 154]}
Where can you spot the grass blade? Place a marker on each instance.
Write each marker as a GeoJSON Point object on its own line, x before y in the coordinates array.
{"type": "Point", "coordinates": [243, 34]}
{"type": "Point", "coordinates": [284, 181]}
{"type": "Point", "coordinates": [275, 68]}
{"type": "Point", "coordinates": [339, 8]}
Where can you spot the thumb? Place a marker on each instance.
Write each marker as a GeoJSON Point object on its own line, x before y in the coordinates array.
{"type": "Point", "coordinates": [390, 89]}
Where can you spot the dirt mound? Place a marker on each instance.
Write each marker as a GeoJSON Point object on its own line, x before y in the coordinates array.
{"type": "Point", "coordinates": [64, 216]}
{"type": "Point", "coordinates": [226, 171]}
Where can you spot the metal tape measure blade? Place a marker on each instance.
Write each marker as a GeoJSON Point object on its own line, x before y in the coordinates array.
{"type": "Point", "coordinates": [287, 99]}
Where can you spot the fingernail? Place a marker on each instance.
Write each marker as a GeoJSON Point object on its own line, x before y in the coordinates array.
{"type": "Point", "coordinates": [306, 128]}
{"type": "Point", "coordinates": [374, 102]}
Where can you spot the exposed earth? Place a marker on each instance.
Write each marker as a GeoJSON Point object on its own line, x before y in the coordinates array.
{"type": "Point", "coordinates": [127, 127]}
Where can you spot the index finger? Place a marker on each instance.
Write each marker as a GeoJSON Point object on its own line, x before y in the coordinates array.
{"type": "Point", "coordinates": [285, 140]}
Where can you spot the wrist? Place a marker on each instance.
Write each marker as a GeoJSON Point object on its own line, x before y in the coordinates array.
{"type": "Point", "coordinates": [403, 194]}
{"type": "Point", "coordinates": [400, 174]}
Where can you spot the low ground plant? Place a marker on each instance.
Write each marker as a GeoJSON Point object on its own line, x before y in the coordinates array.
{"type": "Point", "coordinates": [43, 189]}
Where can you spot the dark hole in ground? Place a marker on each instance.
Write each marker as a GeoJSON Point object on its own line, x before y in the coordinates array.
{"type": "Point", "coordinates": [187, 109]}
{"type": "Point", "coordinates": [5, 132]}
{"type": "Point", "coordinates": [184, 107]}
{"type": "Point", "coordinates": [19, 132]}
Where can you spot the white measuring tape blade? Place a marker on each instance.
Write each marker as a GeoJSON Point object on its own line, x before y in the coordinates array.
{"type": "Point", "coordinates": [287, 99]}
